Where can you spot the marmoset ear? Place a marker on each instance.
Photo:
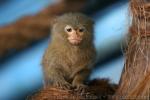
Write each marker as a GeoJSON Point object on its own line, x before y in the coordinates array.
{"type": "Point", "coordinates": [53, 21]}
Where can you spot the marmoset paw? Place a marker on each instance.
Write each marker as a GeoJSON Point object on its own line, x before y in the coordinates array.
{"type": "Point", "coordinates": [63, 85]}
{"type": "Point", "coordinates": [66, 86]}
{"type": "Point", "coordinates": [81, 88]}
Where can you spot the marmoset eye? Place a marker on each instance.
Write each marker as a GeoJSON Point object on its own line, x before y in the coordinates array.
{"type": "Point", "coordinates": [69, 30]}
{"type": "Point", "coordinates": [81, 30]}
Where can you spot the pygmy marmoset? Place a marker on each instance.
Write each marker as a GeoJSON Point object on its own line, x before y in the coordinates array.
{"type": "Point", "coordinates": [70, 55]}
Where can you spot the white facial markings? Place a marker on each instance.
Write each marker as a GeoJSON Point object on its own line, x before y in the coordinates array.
{"type": "Point", "coordinates": [69, 29]}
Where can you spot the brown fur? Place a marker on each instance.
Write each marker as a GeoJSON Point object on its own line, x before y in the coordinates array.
{"type": "Point", "coordinates": [67, 65]}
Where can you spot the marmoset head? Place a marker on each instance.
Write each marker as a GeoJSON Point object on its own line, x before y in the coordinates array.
{"type": "Point", "coordinates": [74, 28]}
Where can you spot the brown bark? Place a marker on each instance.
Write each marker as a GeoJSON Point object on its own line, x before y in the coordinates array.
{"type": "Point", "coordinates": [28, 29]}
{"type": "Point", "coordinates": [135, 79]}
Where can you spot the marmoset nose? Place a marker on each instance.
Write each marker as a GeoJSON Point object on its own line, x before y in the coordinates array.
{"type": "Point", "coordinates": [76, 34]}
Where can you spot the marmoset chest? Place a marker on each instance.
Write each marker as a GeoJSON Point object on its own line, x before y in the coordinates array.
{"type": "Point", "coordinates": [76, 59]}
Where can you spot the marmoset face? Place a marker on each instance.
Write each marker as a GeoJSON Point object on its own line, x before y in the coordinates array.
{"type": "Point", "coordinates": [75, 34]}
{"type": "Point", "coordinates": [75, 28]}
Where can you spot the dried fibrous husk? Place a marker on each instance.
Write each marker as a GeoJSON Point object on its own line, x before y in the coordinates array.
{"type": "Point", "coordinates": [96, 90]}
{"type": "Point", "coordinates": [135, 79]}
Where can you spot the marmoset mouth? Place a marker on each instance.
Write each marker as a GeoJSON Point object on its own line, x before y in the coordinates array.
{"type": "Point", "coordinates": [75, 41]}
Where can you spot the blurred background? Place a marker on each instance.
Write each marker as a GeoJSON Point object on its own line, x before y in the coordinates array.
{"type": "Point", "coordinates": [20, 69]}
